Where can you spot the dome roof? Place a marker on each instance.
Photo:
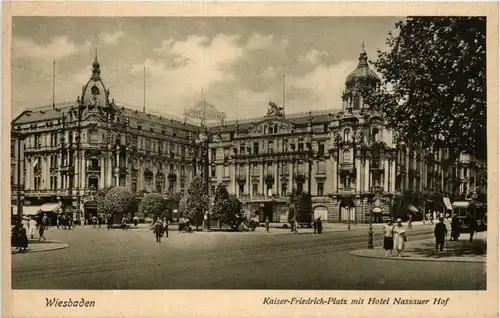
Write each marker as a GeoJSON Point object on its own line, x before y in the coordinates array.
{"type": "Point", "coordinates": [363, 73]}
{"type": "Point", "coordinates": [94, 92]}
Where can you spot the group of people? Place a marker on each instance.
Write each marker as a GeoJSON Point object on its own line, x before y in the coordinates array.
{"type": "Point", "coordinates": [160, 228]}
{"type": "Point", "coordinates": [394, 237]}
{"type": "Point", "coordinates": [27, 227]}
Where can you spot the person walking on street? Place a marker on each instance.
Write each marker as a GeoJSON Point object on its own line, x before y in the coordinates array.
{"type": "Point", "coordinates": [472, 226]}
{"type": "Point", "coordinates": [320, 225]}
{"type": "Point", "coordinates": [158, 231]}
{"type": "Point", "coordinates": [388, 238]}
{"type": "Point", "coordinates": [399, 237]}
{"type": "Point", "coordinates": [410, 218]}
{"type": "Point", "coordinates": [32, 227]}
{"type": "Point", "coordinates": [23, 239]}
{"type": "Point", "coordinates": [58, 220]}
{"type": "Point", "coordinates": [41, 230]}
{"type": "Point", "coordinates": [110, 221]}
{"type": "Point", "coordinates": [440, 232]}
{"type": "Point", "coordinates": [455, 228]}
{"type": "Point", "coordinates": [165, 227]}
{"type": "Point", "coordinates": [124, 223]}
{"type": "Point", "coordinates": [267, 224]}
{"type": "Point", "coordinates": [315, 225]}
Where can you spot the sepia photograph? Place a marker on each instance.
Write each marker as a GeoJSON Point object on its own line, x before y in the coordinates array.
{"type": "Point", "coordinates": [272, 153]}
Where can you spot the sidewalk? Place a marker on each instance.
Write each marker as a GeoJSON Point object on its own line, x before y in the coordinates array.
{"type": "Point", "coordinates": [41, 246]}
{"type": "Point", "coordinates": [425, 250]}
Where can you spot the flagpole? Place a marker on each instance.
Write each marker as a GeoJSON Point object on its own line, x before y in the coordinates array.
{"type": "Point", "coordinates": [283, 95]}
{"type": "Point", "coordinates": [54, 85]}
{"type": "Point", "coordinates": [144, 105]}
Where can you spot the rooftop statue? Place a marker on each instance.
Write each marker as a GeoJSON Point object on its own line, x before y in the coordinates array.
{"type": "Point", "coordinates": [275, 110]}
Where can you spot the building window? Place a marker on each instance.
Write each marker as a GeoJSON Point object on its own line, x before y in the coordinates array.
{"type": "Point", "coordinates": [37, 182]}
{"type": "Point", "coordinates": [255, 190]}
{"type": "Point", "coordinates": [375, 136]}
{"type": "Point", "coordinates": [93, 182]}
{"type": "Point", "coordinates": [284, 189]}
{"type": "Point", "coordinates": [226, 170]}
{"type": "Point", "coordinates": [183, 171]}
{"type": "Point", "coordinates": [321, 148]}
{"type": "Point", "coordinates": [285, 145]}
{"type": "Point", "coordinates": [321, 167]}
{"type": "Point", "coordinates": [300, 186]}
{"type": "Point", "coordinates": [301, 146]}
{"type": "Point", "coordinates": [346, 156]}
{"type": "Point", "coordinates": [242, 149]}
{"type": "Point", "coordinates": [212, 171]}
{"type": "Point", "coordinates": [356, 102]}
{"type": "Point", "coordinates": [270, 146]}
{"type": "Point", "coordinates": [346, 182]}
{"type": "Point", "coordinates": [347, 135]}
{"type": "Point", "coordinates": [320, 189]}
{"type": "Point", "coordinates": [255, 148]}
{"type": "Point", "coordinates": [241, 188]}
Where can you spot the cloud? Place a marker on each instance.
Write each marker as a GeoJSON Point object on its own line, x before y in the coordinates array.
{"type": "Point", "coordinates": [284, 43]}
{"type": "Point", "coordinates": [313, 57]}
{"type": "Point", "coordinates": [111, 38]}
{"type": "Point", "coordinates": [259, 42]}
{"type": "Point", "coordinates": [269, 72]}
{"type": "Point", "coordinates": [60, 47]}
{"type": "Point", "coordinates": [187, 66]}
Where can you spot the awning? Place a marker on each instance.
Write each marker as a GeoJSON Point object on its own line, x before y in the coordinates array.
{"type": "Point", "coordinates": [31, 209]}
{"type": "Point", "coordinates": [377, 210]}
{"type": "Point", "coordinates": [50, 207]}
{"type": "Point", "coordinates": [411, 208]}
{"type": "Point", "coordinates": [461, 204]}
{"type": "Point", "coordinates": [447, 203]}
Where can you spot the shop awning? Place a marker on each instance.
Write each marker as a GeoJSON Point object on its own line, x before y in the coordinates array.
{"type": "Point", "coordinates": [377, 210]}
{"type": "Point", "coordinates": [461, 204]}
{"type": "Point", "coordinates": [447, 203]}
{"type": "Point", "coordinates": [411, 208]}
{"type": "Point", "coordinates": [31, 209]}
{"type": "Point", "coordinates": [50, 207]}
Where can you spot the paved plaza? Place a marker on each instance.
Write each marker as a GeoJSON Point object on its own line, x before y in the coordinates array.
{"type": "Point", "coordinates": [116, 259]}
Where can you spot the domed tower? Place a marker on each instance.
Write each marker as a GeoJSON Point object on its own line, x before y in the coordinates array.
{"type": "Point", "coordinates": [362, 78]}
{"type": "Point", "coordinates": [94, 92]}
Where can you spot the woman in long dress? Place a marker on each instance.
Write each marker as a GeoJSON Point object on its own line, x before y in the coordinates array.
{"type": "Point", "coordinates": [388, 238]}
{"type": "Point", "coordinates": [399, 237]}
{"type": "Point", "coordinates": [32, 228]}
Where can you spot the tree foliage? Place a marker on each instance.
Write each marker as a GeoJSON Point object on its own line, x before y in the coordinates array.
{"type": "Point", "coordinates": [433, 90]}
{"type": "Point", "coordinates": [154, 204]}
{"type": "Point", "coordinates": [120, 201]}
{"type": "Point", "coordinates": [302, 206]}
{"type": "Point", "coordinates": [197, 200]}
{"type": "Point", "coordinates": [226, 208]}
{"type": "Point", "coordinates": [99, 197]}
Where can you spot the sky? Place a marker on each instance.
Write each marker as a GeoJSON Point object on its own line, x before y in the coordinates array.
{"type": "Point", "coordinates": [238, 63]}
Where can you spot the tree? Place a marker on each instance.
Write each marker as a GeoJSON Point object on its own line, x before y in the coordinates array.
{"type": "Point", "coordinates": [182, 211]}
{"type": "Point", "coordinates": [197, 201]}
{"type": "Point", "coordinates": [153, 204]}
{"type": "Point", "coordinates": [120, 202]}
{"type": "Point", "coordinates": [220, 203]}
{"type": "Point", "coordinates": [433, 90]}
{"type": "Point", "coordinates": [100, 195]}
{"type": "Point", "coordinates": [302, 206]}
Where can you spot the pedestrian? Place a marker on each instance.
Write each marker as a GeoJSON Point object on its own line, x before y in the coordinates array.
{"type": "Point", "coordinates": [165, 226]}
{"type": "Point", "coordinates": [110, 222]}
{"type": "Point", "coordinates": [124, 223]}
{"type": "Point", "coordinates": [158, 231]}
{"type": "Point", "coordinates": [45, 221]}
{"type": "Point", "coordinates": [41, 229]}
{"type": "Point", "coordinates": [388, 238]}
{"type": "Point", "coordinates": [58, 221]}
{"type": "Point", "coordinates": [472, 227]}
{"type": "Point", "coordinates": [15, 242]}
{"type": "Point", "coordinates": [181, 225]}
{"type": "Point", "coordinates": [136, 220]}
{"type": "Point", "coordinates": [399, 237]}
{"type": "Point", "coordinates": [409, 221]}
{"type": "Point", "coordinates": [320, 225]}
{"type": "Point", "coordinates": [23, 239]}
{"type": "Point", "coordinates": [32, 227]}
{"type": "Point", "coordinates": [455, 228]}
{"type": "Point", "coordinates": [315, 225]}
{"type": "Point", "coordinates": [440, 232]}
{"type": "Point", "coordinates": [94, 221]}
{"type": "Point", "coordinates": [267, 224]}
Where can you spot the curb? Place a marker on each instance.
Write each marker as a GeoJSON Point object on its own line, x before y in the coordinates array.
{"type": "Point", "coordinates": [54, 248]}
{"type": "Point", "coordinates": [358, 253]}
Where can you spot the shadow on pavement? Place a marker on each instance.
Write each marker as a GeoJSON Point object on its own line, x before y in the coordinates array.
{"type": "Point", "coordinates": [451, 249]}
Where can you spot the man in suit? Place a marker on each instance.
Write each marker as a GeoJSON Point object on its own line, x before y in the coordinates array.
{"type": "Point", "coordinates": [440, 232]}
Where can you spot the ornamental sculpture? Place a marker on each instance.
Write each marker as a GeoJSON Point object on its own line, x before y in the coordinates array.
{"type": "Point", "coordinates": [275, 110]}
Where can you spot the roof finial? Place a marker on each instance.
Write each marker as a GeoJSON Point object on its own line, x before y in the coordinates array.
{"type": "Point", "coordinates": [363, 45]}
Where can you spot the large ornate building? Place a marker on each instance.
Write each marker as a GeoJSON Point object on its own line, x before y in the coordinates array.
{"type": "Point", "coordinates": [345, 158]}
{"type": "Point", "coordinates": [73, 149]}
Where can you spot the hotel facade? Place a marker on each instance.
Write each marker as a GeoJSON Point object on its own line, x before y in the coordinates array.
{"type": "Point", "coordinates": [345, 158]}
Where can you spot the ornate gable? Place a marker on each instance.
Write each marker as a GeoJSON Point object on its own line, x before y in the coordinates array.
{"type": "Point", "coordinates": [272, 126]}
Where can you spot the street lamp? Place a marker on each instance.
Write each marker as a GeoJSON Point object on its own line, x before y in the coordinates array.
{"type": "Point", "coordinates": [203, 140]}
{"type": "Point", "coordinates": [377, 194]}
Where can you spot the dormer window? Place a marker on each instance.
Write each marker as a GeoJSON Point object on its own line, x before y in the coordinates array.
{"type": "Point", "coordinates": [94, 90]}
{"type": "Point", "coordinates": [375, 135]}
{"type": "Point", "coordinates": [347, 135]}
{"type": "Point", "coordinates": [356, 103]}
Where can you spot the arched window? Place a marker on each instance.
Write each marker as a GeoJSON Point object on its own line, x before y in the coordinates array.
{"type": "Point", "coordinates": [347, 134]}
{"type": "Point", "coordinates": [375, 135]}
{"type": "Point", "coordinates": [356, 102]}
{"type": "Point", "coordinates": [95, 90]}
{"type": "Point", "coordinates": [346, 156]}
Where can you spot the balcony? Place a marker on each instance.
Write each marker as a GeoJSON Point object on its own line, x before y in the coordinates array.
{"type": "Point", "coordinates": [92, 168]}
{"type": "Point", "coordinates": [346, 166]}
{"type": "Point", "coordinates": [41, 193]}
{"type": "Point", "coordinates": [346, 190]}
{"type": "Point", "coordinates": [300, 177]}
{"type": "Point", "coordinates": [263, 198]}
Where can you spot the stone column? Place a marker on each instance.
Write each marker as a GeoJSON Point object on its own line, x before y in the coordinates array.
{"type": "Point", "coordinates": [386, 175]}
{"type": "Point", "coordinates": [83, 172]}
{"type": "Point", "coordinates": [367, 175]}
{"type": "Point", "coordinates": [77, 166]}
{"type": "Point", "coordinates": [247, 186]}
{"type": "Point", "coordinates": [102, 175]}
{"type": "Point", "coordinates": [358, 175]}
{"type": "Point", "coordinates": [290, 177]}
{"type": "Point", "coordinates": [262, 173]}
{"type": "Point", "coordinates": [117, 173]}
{"type": "Point", "coordinates": [109, 172]}
{"type": "Point", "coordinates": [59, 175]}
{"type": "Point", "coordinates": [276, 178]}
{"type": "Point", "coordinates": [335, 174]}
{"type": "Point", "coordinates": [393, 174]}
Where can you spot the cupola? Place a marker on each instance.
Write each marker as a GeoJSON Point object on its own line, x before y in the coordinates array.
{"type": "Point", "coordinates": [363, 74]}
{"type": "Point", "coordinates": [94, 93]}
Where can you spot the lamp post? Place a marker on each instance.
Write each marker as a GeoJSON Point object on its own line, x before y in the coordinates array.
{"type": "Point", "coordinates": [376, 193]}
{"type": "Point", "coordinates": [309, 161]}
{"type": "Point", "coordinates": [203, 140]}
